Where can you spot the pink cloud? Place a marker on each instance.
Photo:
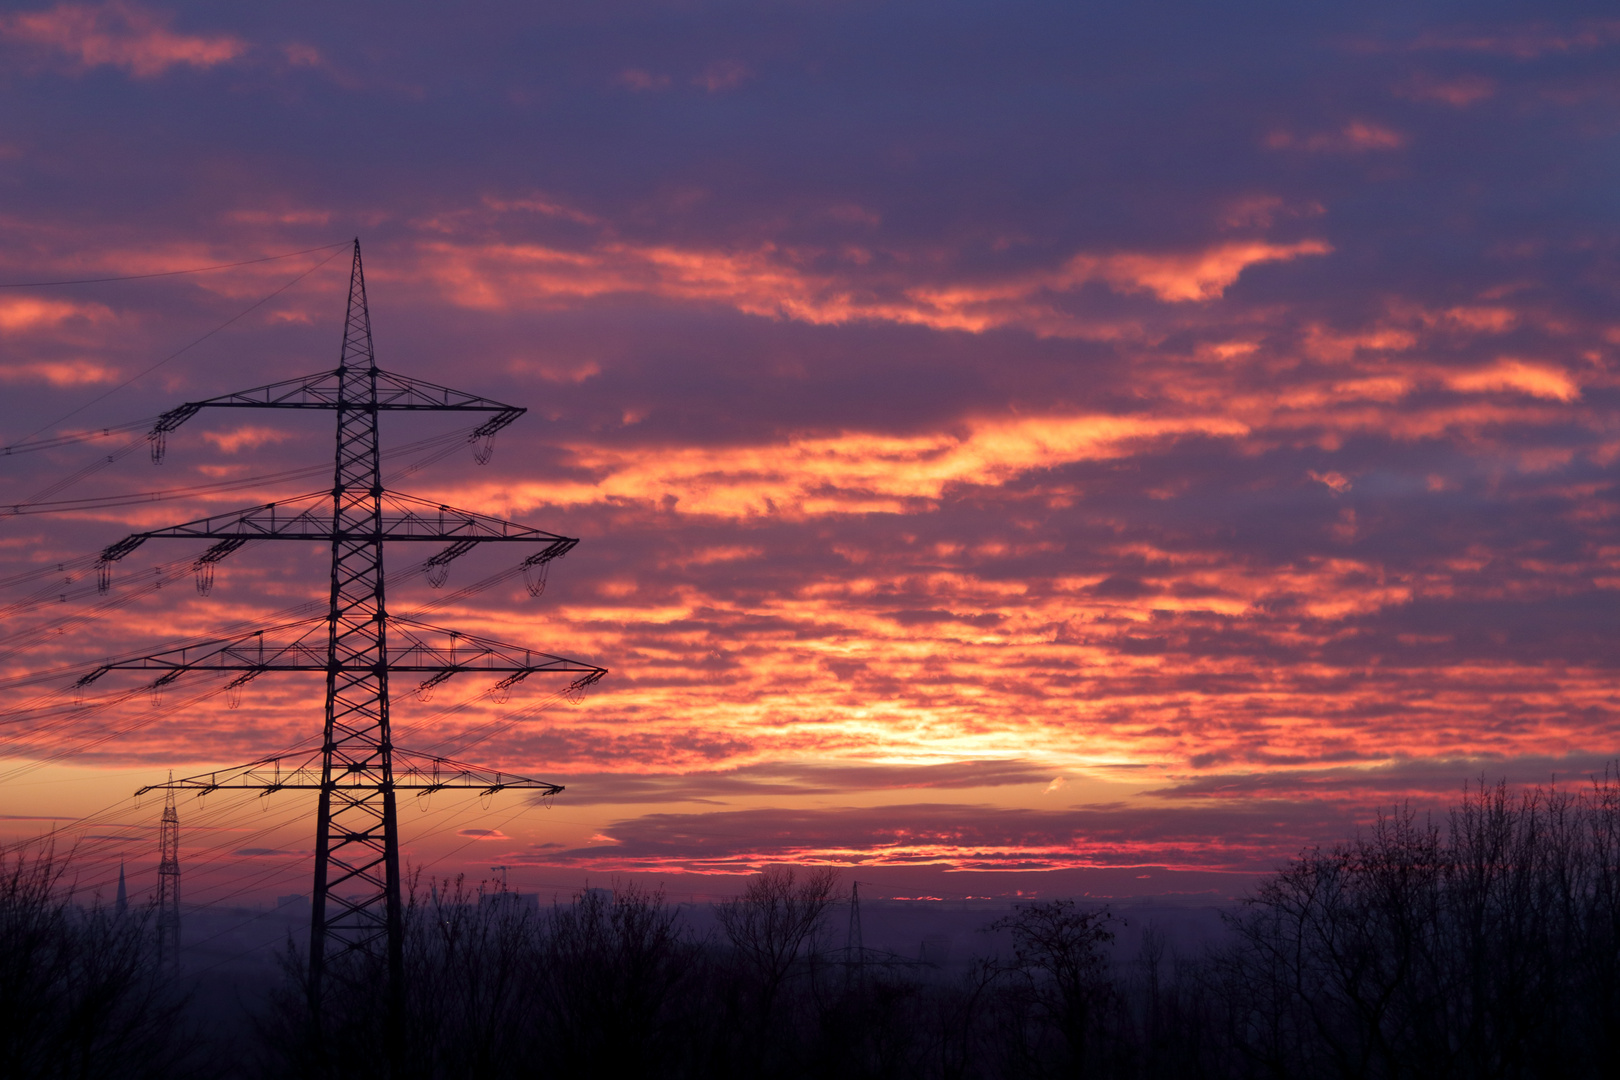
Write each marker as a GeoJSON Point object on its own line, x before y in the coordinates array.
{"type": "Point", "coordinates": [963, 837]}
{"type": "Point", "coordinates": [1459, 93]}
{"type": "Point", "coordinates": [301, 55]}
{"type": "Point", "coordinates": [637, 79]}
{"type": "Point", "coordinates": [1338, 482]}
{"type": "Point", "coordinates": [119, 34]}
{"type": "Point", "coordinates": [1356, 137]}
{"type": "Point", "coordinates": [1527, 42]}
{"type": "Point", "coordinates": [724, 75]}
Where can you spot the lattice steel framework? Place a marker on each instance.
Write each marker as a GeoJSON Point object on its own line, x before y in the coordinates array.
{"type": "Point", "coordinates": [168, 905]}
{"type": "Point", "coordinates": [356, 902]}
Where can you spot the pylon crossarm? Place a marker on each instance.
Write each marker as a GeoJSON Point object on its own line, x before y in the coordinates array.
{"type": "Point", "coordinates": [415, 772]}
{"type": "Point", "coordinates": [296, 646]}
{"type": "Point", "coordinates": [435, 648]}
{"type": "Point", "coordinates": [309, 517]}
{"type": "Point", "coordinates": [407, 517]}
{"type": "Point", "coordinates": [256, 652]}
{"type": "Point", "coordinates": [324, 389]}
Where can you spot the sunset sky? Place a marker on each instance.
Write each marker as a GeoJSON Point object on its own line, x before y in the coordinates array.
{"type": "Point", "coordinates": [1047, 447]}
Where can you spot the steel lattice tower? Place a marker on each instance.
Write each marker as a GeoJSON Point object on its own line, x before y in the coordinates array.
{"type": "Point", "coordinates": [356, 902]}
{"type": "Point", "coordinates": [854, 940]}
{"type": "Point", "coordinates": [168, 908]}
{"type": "Point", "coordinates": [357, 829]}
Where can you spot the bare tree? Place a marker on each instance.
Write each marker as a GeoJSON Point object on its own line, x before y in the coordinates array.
{"type": "Point", "coordinates": [80, 990]}
{"type": "Point", "coordinates": [470, 952]}
{"type": "Point", "coordinates": [769, 926]}
{"type": "Point", "coordinates": [1060, 957]}
{"type": "Point", "coordinates": [959, 1016]}
{"type": "Point", "coordinates": [609, 968]}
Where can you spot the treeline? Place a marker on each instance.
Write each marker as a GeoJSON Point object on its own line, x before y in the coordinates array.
{"type": "Point", "coordinates": [81, 994]}
{"type": "Point", "coordinates": [1486, 944]}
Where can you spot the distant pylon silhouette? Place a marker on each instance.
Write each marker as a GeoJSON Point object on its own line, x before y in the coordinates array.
{"type": "Point", "coordinates": [854, 940]}
{"type": "Point", "coordinates": [168, 912]}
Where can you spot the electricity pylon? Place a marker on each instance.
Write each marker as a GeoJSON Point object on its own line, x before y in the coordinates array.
{"type": "Point", "coordinates": [356, 902]}
{"type": "Point", "coordinates": [854, 941]}
{"type": "Point", "coordinates": [168, 907]}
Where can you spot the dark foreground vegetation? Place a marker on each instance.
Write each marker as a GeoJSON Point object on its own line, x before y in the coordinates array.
{"type": "Point", "coordinates": [1487, 945]}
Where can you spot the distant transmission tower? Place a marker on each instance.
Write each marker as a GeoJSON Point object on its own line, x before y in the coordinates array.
{"type": "Point", "coordinates": [854, 942]}
{"type": "Point", "coordinates": [168, 912]}
{"type": "Point", "coordinates": [356, 902]}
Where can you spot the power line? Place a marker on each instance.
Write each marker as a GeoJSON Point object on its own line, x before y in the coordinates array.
{"type": "Point", "coordinates": [446, 444]}
{"type": "Point", "coordinates": [169, 273]}
{"type": "Point", "coordinates": [77, 437]}
{"type": "Point", "coordinates": [182, 351]}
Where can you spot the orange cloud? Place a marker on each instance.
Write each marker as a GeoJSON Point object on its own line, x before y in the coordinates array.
{"type": "Point", "coordinates": [1198, 275]}
{"type": "Point", "coordinates": [1536, 380]}
{"type": "Point", "coordinates": [775, 282]}
{"type": "Point", "coordinates": [119, 34]}
{"type": "Point", "coordinates": [32, 313]}
{"type": "Point", "coordinates": [856, 472]}
{"type": "Point", "coordinates": [245, 438]}
{"type": "Point", "coordinates": [58, 372]}
{"type": "Point", "coordinates": [1337, 481]}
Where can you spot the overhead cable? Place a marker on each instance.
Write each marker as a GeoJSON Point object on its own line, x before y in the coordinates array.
{"type": "Point", "coordinates": [187, 348]}
{"type": "Point", "coordinates": [169, 273]}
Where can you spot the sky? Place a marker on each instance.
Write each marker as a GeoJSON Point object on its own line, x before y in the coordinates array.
{"type": "Point", "coordinates": [1015, 448]}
